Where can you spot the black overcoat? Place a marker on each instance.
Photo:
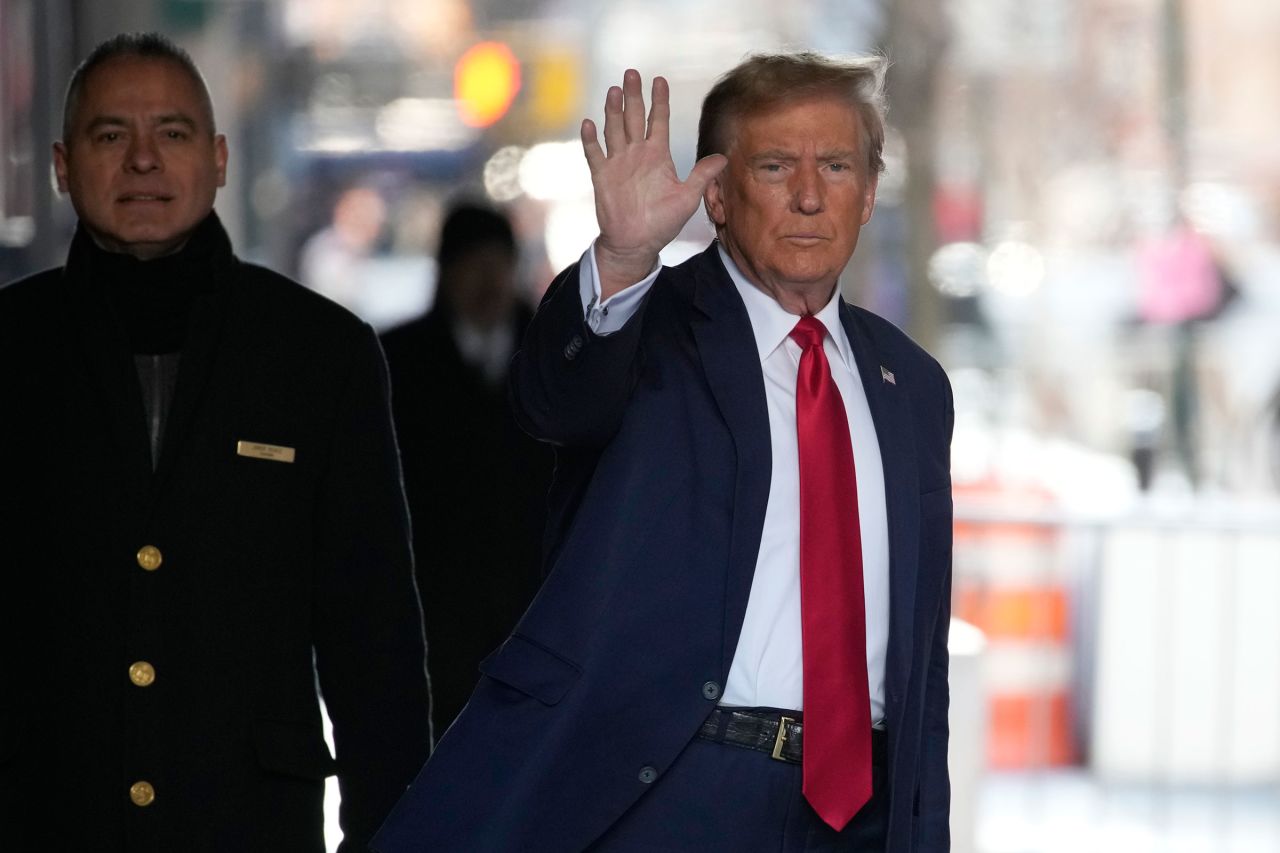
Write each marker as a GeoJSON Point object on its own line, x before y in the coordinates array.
{"type": "Point", "coordinates": [662, 481]}
{"type": "Point", "coordinates": [269, 573]}
{"type": "Point", "coordinates": [477, 487]}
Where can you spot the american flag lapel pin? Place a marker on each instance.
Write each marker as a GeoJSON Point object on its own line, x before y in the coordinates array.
{"type": "Point", "coordinates": [887, 375]}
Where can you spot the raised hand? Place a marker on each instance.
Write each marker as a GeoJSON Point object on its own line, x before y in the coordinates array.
{"type": "Point", "coordinates": [641, 204]}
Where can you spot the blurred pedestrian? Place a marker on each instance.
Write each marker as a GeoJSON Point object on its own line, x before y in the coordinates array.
{"type": "Point", "coordinates": [334, 261]}
{"type": "Point", "coordinates": [477, 484]}
{"type": "Point", "coordinates": [1183, 285]}
{"type": "Point", "coordinates": [200, 513]}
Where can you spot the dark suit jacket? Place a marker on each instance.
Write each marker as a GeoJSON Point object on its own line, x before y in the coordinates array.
{"type": "Point", "coordinates": [477, 488]}
{"type": "Point", "coordinates": [266, 567]}
{"type": "Point", "coordinates": [663, 478]}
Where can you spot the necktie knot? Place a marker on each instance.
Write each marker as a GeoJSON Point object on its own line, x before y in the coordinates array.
{"type": "Point", "coordinates": [809, 332]}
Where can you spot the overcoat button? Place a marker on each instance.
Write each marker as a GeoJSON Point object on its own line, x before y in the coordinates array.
{"type": "Point", "coordinates": [711, 690]}
{"type": "Point", "coordinates": [150, 558]}
{"type": "Point", "coordinates": [142, 793]}
{"type": "Point", "coordinates": [647, 775]}
{"type": "Point", "coordinates": [142, 673]}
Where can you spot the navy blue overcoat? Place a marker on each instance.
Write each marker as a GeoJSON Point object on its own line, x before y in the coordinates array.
{"type": "Point", "coordinates": [663, 475]}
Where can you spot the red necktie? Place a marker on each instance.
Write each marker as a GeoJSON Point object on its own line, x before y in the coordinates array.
{"type": "Point", "coordinates": [837, 704]}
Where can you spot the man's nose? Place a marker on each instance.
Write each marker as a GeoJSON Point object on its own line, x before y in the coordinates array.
{"type": "Point", "coordinates": [143, 154]}
{"type": "Point", "coordinates": [807, 189]}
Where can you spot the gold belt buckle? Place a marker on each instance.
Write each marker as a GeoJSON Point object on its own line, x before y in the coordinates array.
{"type": "Point", "coordinates": [782, 737]}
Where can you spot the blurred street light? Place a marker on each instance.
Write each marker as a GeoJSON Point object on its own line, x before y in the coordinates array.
{"type": "Point", "coordinates": [486, 80]}
{"type": "Point", "coordinates": [1015, 268]}
{"type": "Point", "coordinates": [555, 171]}
{"type": "Point", "coordinates": [502, 174]}
{"type": "Point", "coordinates": [958, 269]}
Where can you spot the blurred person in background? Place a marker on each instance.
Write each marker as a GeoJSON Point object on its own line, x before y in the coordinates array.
{"type": "Point", "coordinates": [1183, 285]}
{"type": "Point", "coordinates": [200, 514]}
{"type": "Point", "coordinates": [740, 644]}
{"type": "Point", "coordinates": [477, 484]}
{"type": "Point", "coordinates": [332, 261]}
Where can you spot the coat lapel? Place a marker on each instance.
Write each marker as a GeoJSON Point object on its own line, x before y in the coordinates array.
{"type": "Point", "coordinates": [104, 356]}
{"type": "Point", "coordinates": [199, 358]}
{"type": "Point", "coordinates": [731, 364]}
{"type": "Point", "coordinates": [891, 412]}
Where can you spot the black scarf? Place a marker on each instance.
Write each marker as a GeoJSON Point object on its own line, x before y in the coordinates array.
{"type": "Point", "coordinates": [152, 299]}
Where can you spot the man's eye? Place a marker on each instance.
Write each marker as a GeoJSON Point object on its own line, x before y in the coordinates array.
{"type": "Point", "coordinates": [175, 134]}
{"type": "Point", "coordinates": [772, 167]}
{"type": "Point", "coordinates": [838, 167]}
{"type": "Point", "coordinates": [109, 136]}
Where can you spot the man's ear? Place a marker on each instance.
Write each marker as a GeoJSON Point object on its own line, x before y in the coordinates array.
{"type": "Point", "coordinates": [60, 166]}
{"type": "Point", "coordinates": [220, 158]}
{"type": "Point", "coordinates": [869, 199]}
{"type": "Point", "coordinates": [713, 200]}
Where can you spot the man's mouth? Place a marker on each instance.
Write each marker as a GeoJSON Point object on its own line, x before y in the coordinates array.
{"type": "Point", "coordinates": [144, 197]}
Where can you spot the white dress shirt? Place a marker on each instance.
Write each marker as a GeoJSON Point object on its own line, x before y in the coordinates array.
{"type": "Point", "coordinates": [487, 350]}
{"type": "Point", "coordinates": [767, 666]}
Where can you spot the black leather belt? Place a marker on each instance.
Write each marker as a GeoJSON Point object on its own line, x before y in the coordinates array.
{"type": "Point", "coordinates": [777, 732]}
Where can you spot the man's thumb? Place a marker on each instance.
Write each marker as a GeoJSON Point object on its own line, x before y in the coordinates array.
{"type": "Point", "coordinates": [705, 171]}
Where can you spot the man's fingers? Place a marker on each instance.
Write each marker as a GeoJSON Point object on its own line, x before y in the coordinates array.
{"type": "Point", "coordinates": [591, 145]}
{"type": "Point", "coordinates": [633, 109]}
{"type": "Point", "coordinates": [625, 121]}
{"type": "Point", "coordinates": [660, 112]}
{"type": "Point", "coordinates": [615, 135]}
{"type": "Point", "coordinates": [705, 171]}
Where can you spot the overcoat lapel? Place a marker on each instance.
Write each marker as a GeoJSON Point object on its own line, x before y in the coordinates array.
{"type": "Point", "coordinates": [199, 359]}
{"type": "Point", "coordinates": [103, 353]}
{"type": "Point", "coordinates": [731, 364]}
{"type": "Point", "coordinates": [891, 413]}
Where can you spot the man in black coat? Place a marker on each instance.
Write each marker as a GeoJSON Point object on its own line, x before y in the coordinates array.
{"type": "Point", "coordinates": [200, 514]}
{"type": "Point", "coordinates": [477, 484]}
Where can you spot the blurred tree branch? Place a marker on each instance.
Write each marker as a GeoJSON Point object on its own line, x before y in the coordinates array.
{"type": "Point", "coordinates": [917, 33]}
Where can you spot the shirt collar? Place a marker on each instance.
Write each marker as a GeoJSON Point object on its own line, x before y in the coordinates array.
{"type": "Point", "coordinates": [772, 323]}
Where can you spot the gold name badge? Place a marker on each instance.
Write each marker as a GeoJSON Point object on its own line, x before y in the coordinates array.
{"type": "Point", "coordinates": [273, 452]}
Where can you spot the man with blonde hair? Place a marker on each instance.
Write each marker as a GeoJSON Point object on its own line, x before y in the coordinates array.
{"type": "Point", "coordinates": [741, 641]}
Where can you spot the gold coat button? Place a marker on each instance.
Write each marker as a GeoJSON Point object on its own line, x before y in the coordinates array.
{"type": "Point", "coordinates": [142, 673]}
{"type": "Point", "coordinates": [150, 558]}
{"type": "Point", "coordinates": [142, 793]}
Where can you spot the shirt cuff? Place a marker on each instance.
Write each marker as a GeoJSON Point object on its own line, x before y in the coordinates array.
{"type": "Point", "coordinates": [604, 317]}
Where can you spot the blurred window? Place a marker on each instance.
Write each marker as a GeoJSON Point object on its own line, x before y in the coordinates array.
{"type": "Point", "coordinates": [17, 85]}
